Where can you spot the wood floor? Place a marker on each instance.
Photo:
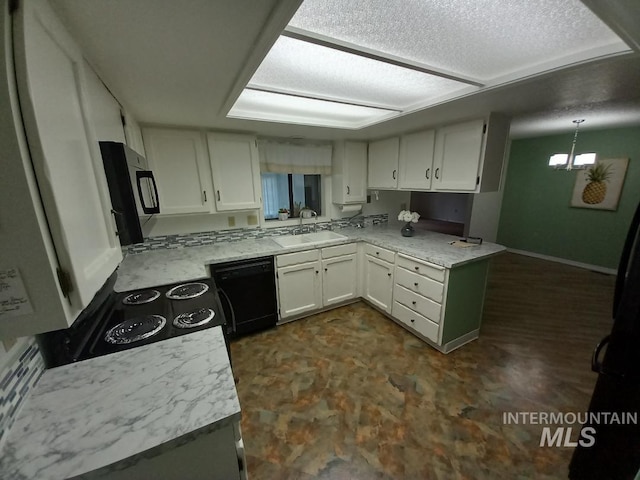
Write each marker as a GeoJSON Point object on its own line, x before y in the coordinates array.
{"type": "Point", "coordinates": [348, 394]}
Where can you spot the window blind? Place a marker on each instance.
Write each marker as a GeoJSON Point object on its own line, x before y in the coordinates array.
{"type": "Point", "coordinates": [283, 157]}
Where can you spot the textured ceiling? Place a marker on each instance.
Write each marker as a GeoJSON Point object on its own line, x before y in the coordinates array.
{"type": "Point", "coordinates": [185, 63]}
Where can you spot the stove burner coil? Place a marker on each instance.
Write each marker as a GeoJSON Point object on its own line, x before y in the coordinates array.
{"type": "Point", "coordinates": [193, 319]}
{"type": "Point", "coordinates": [140, 298]}
{"type": "Point", "coordinates": [187, 291]}
{"type": "Point", "coordinates": [135, 329]}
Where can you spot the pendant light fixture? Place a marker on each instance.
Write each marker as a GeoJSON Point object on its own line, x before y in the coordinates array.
{"type": "Point", "coordinates": [571, 161]}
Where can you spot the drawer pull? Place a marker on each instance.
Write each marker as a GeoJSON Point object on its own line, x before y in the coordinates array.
{"type": "Point", "coordinates": [413, 320]}
{"type": "Point", "coordinates": [415, 284]}
{"type": "Point", "coordinates": [389, 274]}
{"type": "Point", "coordinates": [417, 269]}
{"type": "Point", "coordinates": [317, 272]}
{"type": "Point", "coordinates": [413, 303]}
{"type": "Point", "coordinates": [326, 269]}
{"type": "Point", "coordinates": [377, 253]}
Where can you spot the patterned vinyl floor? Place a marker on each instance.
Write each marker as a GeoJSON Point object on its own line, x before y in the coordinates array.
{"type": "Point", "coordinates": [348, 394]}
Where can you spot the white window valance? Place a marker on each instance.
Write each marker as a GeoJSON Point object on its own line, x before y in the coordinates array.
{"type": "Point", "coordinates": [283, 157]}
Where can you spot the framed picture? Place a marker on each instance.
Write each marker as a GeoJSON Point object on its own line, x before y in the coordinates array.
{"type": "Point", "coordinates": [599, 186]}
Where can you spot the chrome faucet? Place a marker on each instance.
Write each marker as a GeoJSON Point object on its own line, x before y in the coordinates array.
{"type": "Point", "coordinates": [313, 213]}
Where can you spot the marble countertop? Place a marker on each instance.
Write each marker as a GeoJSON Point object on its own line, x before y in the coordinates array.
{"type": "Point", "coordinates": [167, 266]}
{"type": "Point", "coordinates": [124, 406]}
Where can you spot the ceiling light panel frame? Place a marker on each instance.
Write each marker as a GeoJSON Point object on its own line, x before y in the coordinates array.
{"type": "Point", "coordinates": [318, 71]}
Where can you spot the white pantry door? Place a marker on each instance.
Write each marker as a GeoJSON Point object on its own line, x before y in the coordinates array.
{"type": "Point", "coordinates": [65, 155]}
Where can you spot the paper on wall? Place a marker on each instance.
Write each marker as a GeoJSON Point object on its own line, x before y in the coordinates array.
{"type": "Point", "coordinates": [14, 300]}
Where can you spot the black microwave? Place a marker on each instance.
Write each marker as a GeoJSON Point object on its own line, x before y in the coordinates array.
{"type": "Point", "coordinates": [132, 189]}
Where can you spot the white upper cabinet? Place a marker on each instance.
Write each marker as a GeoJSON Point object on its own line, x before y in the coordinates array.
{"type": "Point", "coordinates": [466, 157]}
{"type": "Point", "coordinates": [457, 156]}
{"type": "Point", "coordinates": [236, 171]}
{"type": "Point", "coordinates": [349, 172]}
{"type": "Point", "coordinates": [383, 164]}
{"type": "Point", "coordinates": [54, 101]}
{"type": "Point", "coordinates": [416, 161]}
{"type": "Point", "coordinates": [180, 164]}
{"type": "Point", "coordinates": [105, 110]}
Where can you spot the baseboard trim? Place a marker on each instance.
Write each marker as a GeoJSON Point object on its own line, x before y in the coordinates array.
{"type": "Point", "coordinates": [587, 266]}
{"type": "Point", "coordinates": [460, 341]}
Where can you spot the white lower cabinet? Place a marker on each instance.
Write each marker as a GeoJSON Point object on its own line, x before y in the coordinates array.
{"type": "Point", "coordinates": [418, 294]}
{"type": "Point", "coordinates": [307, 283]}
{"type": "Point", "coordinates": [339, 279]}
{"type": "Point", "coordinates": [299, 289]}
{"type": "Point", "coordinates": [378, 282]}
{"type": "Point", "coordinates": [441, 306]}
{"type": "Point", "coordinates": [415, 321]}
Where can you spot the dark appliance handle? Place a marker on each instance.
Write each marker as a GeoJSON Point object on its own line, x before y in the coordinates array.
{"type": "Point", "coordinates": [140, 174]}
{"type": "Point", "coordinates": [632, 237]}
{"type": "Point", "coordinates": [596, 365]}
{"type": "Point", "coordinates": [233, 314]}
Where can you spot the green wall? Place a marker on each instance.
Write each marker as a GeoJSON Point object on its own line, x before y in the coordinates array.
{"type": "Point", "coordinates": [536, 215]}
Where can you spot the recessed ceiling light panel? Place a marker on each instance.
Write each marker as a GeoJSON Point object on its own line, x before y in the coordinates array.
{"type": "Point", "coordinates": [320, 72]}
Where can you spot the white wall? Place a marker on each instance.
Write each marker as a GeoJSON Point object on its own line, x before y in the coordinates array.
{"type": "Point", "coordinates": [105, 109]}
{"type": "Point", "coordinates": [10, 349]}
{"type": "Point", "coordinates": [390, 202]}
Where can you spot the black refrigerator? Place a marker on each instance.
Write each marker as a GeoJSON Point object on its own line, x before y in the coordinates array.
{"type": "Point", "coordinates": [132, 189]}
{"type": "Point", "coordinates": [615, 453]}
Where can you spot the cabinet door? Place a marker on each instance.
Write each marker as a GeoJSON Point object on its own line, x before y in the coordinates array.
{"type": "Point", "coordinates": [416, 160]}
{"type": "Point", "coordinates": [235, 170]}
{"type": "Point", "coordinates": [378, 282]}
{"type": "Point", "coordinates": [66, 158]}
{"type": "Point", "coordinates": [339, 279]}
{"type": "Point", "coordinates": [355, 172]}
{"type": "Point", "coordinates": [457, 156]}
{"type": "Point", "coordinates": [180, 164]}
{"type": "Point", "coordinates": [383, 164]}
{"type": "Point", "coordinates": [299, 289]}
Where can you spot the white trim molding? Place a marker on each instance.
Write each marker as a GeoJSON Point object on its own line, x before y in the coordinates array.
{"type": "Point", "coordinates": [587, 266]}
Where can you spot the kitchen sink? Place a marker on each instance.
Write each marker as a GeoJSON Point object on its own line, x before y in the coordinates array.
{"type": "Point", "coordinates": [288, 241]}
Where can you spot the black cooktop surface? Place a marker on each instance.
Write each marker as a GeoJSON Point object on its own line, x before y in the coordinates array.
{"type": "Point", "coordinates": [146, 316]}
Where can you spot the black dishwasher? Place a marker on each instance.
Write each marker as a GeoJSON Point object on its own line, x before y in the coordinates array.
{"type": "Point", "coordinates": [247, 291]}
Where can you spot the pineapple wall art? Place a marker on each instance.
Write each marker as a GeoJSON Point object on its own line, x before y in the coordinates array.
{"type": "Point", "coordinates": [599, 186]}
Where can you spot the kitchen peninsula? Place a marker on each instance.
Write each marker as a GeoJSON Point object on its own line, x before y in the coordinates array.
{"type": "Point", "coordinates": [450, 273]}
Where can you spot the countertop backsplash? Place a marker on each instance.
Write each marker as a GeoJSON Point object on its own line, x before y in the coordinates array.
{"type": "Point", "coordinates": [17, 379]}
{"type": "Point", "coordinates": [237, 234]}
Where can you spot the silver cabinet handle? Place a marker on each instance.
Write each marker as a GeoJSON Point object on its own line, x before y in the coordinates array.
{"type": "Point", "coordinates": [204, 192]}
{"type": "Point", "coordinates": [426, 174]}
{"type": "Point", "coordinates": [394, 174]}
{"type": "Point", "coordinates": [437, 174]}
{"type": "Point", "coordinates": [218, 192]}
{"type": "Point", "coordinates": [348, 190]}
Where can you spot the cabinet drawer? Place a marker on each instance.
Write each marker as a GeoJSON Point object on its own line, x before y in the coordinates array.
{"type": "Point", "coordinates": [417, 322]}
{"type": "Point", "coordinates": [381, 253]}
{"type": "Point", "coordinates": [297, 257]}
{"type": "Point", "coordinates": [422, 285]}
{"type": "Point", "coordinates": [339, 250]}
{"type": "Point", "coordinates": [423, 268]}
{"type": "Point", "coordinates": [418, 303]}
